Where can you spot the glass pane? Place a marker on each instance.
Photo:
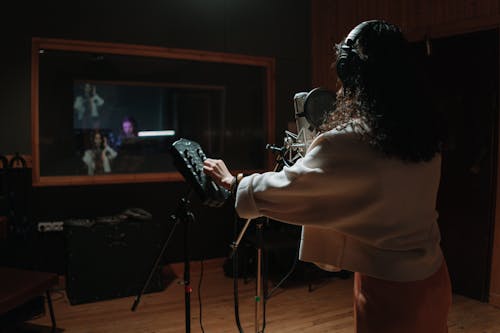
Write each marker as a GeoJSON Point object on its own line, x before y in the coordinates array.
{"type": "Point", "coordinates": [85, 98]}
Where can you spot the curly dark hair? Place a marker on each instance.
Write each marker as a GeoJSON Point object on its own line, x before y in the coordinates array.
{"type": "Point", "coordinates": [387, 95]}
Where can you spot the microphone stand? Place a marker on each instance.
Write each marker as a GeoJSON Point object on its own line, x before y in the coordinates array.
{"type": "Point", "coordinates": [280, 161]}
{"type": "Point", "coordinates": [258, 293]}
{"type": "Point", "coordinates": [182, 214]}
{"type": "Point", "coordinates": [290, 145]}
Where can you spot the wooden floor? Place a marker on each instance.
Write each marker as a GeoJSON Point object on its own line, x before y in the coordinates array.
{"type": "Point", "coordinates": [328, 308]}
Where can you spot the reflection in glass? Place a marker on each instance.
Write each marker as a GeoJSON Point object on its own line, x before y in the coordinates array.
{"type": "Point", "coordinates": [115, 114]}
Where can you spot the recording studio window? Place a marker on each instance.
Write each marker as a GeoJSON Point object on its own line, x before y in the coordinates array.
{"type": "Point", "coordinates": [117, 115]}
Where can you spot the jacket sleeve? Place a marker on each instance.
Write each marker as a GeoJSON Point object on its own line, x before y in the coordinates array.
{"type": "Point", "coordinates": [290, 194]}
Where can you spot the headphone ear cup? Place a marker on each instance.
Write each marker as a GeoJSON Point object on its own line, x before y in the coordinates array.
{"type": "Point", "coordinates": [342, 66]}
{"type": "Point", "coordinates": [348, 64]}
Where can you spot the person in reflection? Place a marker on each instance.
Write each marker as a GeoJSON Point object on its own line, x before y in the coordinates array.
{"type": "Point", "coordinates": [87, 107]}
{"type": "Point", "coordinates": [128, 131]}
{"type": "Point", "coordinates": [98, 158]}
{"type": "Point", "coordinates": [132, 157]}
{"type": "Point", "coordinates": [365, 192]}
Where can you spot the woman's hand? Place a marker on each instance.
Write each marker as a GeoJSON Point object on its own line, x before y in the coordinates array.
{"type": "Point", "coordinates": [218, 171]}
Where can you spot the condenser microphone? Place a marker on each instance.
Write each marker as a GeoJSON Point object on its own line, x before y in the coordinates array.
{"type": "Point", "coordinates": [305, 131]}
{"type": "Point", "coordinates": [311, 110]}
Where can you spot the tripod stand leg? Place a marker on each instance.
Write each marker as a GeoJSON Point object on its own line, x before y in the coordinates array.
{"type": "Point", "coordinates": [182, 214]}
{"type": "Point", "coordinates": [156, 265]}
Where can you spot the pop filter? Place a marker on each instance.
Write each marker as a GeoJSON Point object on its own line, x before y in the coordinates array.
{"type": "Point", "coordinates": [318, 103]}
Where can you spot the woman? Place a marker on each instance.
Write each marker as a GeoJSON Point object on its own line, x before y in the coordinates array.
{"type": "Point", "coordinates": [366, 189]}
{"type": "Point", "coordinates": [128, 131]}
{"type": "Point", "coordinates": [98, 158]}
{"type": "Point", "coordinates": [87, 107]}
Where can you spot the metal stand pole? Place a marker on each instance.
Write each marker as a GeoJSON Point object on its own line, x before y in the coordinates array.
{"type": "Point", "coordinates": [258, 294]}
{"type": "Point", "coordinates": [189, 217]}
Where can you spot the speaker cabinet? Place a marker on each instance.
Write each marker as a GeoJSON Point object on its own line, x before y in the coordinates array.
{"type": "Point", "coordinates": [111, 258]}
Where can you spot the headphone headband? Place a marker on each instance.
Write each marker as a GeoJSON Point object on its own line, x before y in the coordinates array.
{"type": "Point", "coordinates": [356, 31]}
{"type": "Point", "coordinates": [348, 60]}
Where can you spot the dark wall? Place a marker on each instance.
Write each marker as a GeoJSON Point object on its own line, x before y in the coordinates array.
{"type": "Point", "coordinates": [279, 29]}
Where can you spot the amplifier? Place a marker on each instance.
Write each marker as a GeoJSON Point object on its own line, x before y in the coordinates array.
{"type": "Point", "coordinates": [111, 257]}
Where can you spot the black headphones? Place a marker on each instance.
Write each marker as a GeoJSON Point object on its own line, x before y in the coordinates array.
{"type": "Point", "coordinates": [349, 61]}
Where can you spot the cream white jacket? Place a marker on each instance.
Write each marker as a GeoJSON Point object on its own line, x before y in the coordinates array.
{"type": "Point", "coordinates": [361, 210]}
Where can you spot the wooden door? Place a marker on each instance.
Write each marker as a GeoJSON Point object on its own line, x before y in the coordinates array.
{"type": "Point", "coordinates": [462, 74]}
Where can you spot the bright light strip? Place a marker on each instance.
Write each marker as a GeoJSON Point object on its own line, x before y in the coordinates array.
{"type": "Point", "coordinates": [157, 133]}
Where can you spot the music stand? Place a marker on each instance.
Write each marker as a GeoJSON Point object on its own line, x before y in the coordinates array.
{"type": "Point", "coordinates": [188, 158]}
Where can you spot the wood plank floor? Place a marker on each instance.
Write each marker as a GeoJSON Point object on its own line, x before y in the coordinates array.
{"type": "Point", "coordinates": [328, 308]}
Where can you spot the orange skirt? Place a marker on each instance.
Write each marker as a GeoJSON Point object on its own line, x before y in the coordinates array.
{"type": "Point", "coordinates": [382, 306]}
